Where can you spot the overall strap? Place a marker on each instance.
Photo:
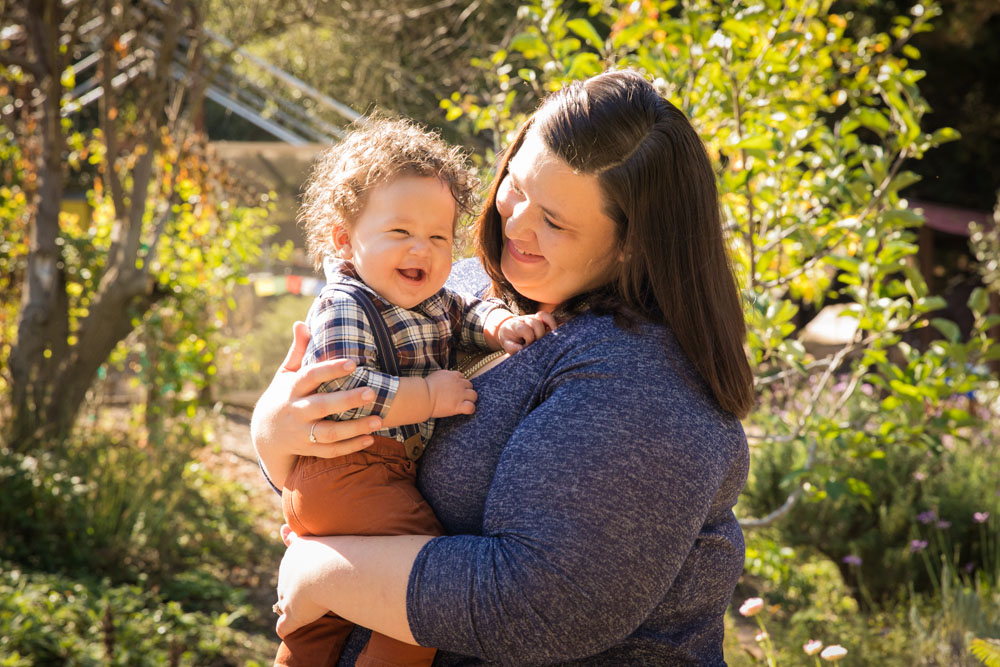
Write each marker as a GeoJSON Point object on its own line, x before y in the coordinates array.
{"type": "Point", "coordinates": [414, 444]}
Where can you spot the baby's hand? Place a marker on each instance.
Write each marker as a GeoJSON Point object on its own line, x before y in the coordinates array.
{"type": "Point", "coordinates": [450, 393]}
{"type": "Point", "coordinates": [516, 332]}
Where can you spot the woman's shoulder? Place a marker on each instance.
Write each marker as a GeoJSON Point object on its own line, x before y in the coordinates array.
{"type": "Point", "coordinates": [468, 276]}
{"type": "Point", "coordinates": [643, 359]}
{"type": "Point", "coordinates": [595, 334]}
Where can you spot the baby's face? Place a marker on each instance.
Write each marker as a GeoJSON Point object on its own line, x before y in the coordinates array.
{"type": "Point", "coordinates": [400, 244]}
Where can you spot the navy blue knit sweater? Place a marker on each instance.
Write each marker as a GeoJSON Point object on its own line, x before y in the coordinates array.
{"type": "Point", "coordinates": [588, 505]}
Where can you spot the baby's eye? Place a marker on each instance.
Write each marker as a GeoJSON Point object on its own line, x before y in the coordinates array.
{"type": "Point", "coordinates": [439, 238]}
{"type": "Point", "coordinates": [399, 231]}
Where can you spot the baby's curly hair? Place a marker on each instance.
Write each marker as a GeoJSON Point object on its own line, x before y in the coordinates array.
{"type": "Point", "coordinates": [372, 154]}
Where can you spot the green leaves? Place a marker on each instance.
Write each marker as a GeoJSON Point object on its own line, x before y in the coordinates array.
{"type": "Point", "coordinates": [583, 28]}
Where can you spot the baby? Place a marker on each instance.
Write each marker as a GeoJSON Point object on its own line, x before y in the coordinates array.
{"type": "Point", "coordinates": [380, 210]}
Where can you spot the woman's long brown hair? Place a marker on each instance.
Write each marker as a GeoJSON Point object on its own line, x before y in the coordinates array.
{"type": "Point", "coordinates": [659, 188]}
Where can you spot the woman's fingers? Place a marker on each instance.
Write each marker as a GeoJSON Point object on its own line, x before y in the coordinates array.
{"type": "Point", "coordinates": [287, 535]}
{"type": "Point", "coordinates": [303, 560]}
{"type": "Point", "coordinates": [318, 406]}
{"type": "Point", "coordinates": [338, 438]}
{"type": "Point", "coordinates": [309, 380]}
{"type": "Point", "coordinates": [341, 447]}
{"type": "Point", "coordinates": [300, 341]}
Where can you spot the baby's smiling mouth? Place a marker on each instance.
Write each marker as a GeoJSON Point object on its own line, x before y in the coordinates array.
{"type": "Point", "coordinates": [414, 275]}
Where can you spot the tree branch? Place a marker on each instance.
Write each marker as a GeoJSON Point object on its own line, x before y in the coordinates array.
{"type": "Point", "coordinates": [107, 108]}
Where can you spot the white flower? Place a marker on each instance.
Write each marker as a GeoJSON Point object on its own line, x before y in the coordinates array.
{"type": "Point", "coordinates": [812, 647]}
{"type": "Point", "coordinates": [833, 653]}
{"type": "Point", "coordinates": [751, 606]}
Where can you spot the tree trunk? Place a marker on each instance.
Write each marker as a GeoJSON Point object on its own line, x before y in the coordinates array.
{"type": "Point", "coordinates": [50, 378]}
{"type": "Point", "coordinates": [44, 322]}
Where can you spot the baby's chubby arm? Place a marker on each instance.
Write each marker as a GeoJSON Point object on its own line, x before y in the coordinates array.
{"type": "Point", "coordinates": [514, 332]}
{"type": "Point", "coordinates": [439, 394]}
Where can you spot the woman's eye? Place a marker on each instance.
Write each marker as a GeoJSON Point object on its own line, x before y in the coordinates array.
{"type": "Point", "coordinates": [551, 224]}
{"type": "Point", "coordinates": [513, 186]}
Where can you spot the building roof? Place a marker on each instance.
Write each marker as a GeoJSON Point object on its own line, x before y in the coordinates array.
{"type": "Point", "coordinates": [951, 219]}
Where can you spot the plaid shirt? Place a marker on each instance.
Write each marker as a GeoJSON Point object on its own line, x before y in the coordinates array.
{"type": "Point", "coordinates": [422, 337]}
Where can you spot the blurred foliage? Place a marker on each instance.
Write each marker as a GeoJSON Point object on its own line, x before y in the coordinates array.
{"type": "Point", "coordinates": [165, 236]}
{"type": "Point", "coordinates": [400, 56]}
{"type": "Point", "coordinates": [156, 554]}
{"type": "Point", "coordinates": [985, 244]}
{"type": "Point", "coordinates": [13, 250]}
{"type": "Point", "coordinates": [118, 546]}
{"type": "Point", "coordinates": [941, 586]}
{"type": "Point", "coordinates": [115, 503]}
{"type": "Point", "coordinates": [207, 244]}
{"type": "Point", "coordinates": [51, 619]}
{"type": "Point", "coordinates": [252, 359]}
{"type": "Point", "coordinates": [960, 57]}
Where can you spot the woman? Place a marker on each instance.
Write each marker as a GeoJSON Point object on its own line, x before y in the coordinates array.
{"type": "Point", "coordinates": [588, 502]}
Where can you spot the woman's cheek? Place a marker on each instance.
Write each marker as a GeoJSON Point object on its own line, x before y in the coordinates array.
{"type": "Point", "coordinates": [504, 203]}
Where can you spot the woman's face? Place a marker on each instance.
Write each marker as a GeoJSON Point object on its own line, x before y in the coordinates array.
{"type": "Point", "coordinates": [558, 242]}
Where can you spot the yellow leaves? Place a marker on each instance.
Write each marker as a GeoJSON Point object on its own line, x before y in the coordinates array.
{"type": "Point", "coordinates": [838, 20]}
{"type": "Point", "coordinates": [68, 78]}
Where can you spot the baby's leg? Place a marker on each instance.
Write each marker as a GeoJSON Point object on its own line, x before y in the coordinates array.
{"type": "Point", "coordinates": [371, 492]}
{"type": "Point", "coordinates": [325, 497]}
{"type": "Point", "coordinates": [318, 644]}
{"type": "Point", "coordinates": [405, 512]}
{"type": "Point", "coordinates": [383, 651]}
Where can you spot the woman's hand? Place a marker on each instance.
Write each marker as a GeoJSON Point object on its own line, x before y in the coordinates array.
{"type": "Point", "coordinates": [290, 410]}
{"type": "Point", "coordinates": [300, 565]}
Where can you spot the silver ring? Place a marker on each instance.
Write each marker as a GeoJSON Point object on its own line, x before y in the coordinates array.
{"type": "Point", "coordinates": [312, 433]}
{"type": "Point", "coordinates": [276, 609]}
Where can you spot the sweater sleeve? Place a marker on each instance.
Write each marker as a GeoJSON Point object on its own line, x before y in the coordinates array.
{"type": "Point", "coordinates": [598, 497]}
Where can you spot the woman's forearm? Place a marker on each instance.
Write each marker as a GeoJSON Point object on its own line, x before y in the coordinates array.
{"type": "Point", "coordinates": [363, 579]}
{"type": "Point", "coordinates": [277, 464]}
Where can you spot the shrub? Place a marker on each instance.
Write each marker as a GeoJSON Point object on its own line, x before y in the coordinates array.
{"type": "Point", "coordinates": [114, 504]}
{"type": "Point", "coordinates": [51, 619]}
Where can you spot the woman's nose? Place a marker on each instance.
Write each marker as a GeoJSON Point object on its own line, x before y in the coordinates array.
{"type": "Point", "coordinates": [517, 224]}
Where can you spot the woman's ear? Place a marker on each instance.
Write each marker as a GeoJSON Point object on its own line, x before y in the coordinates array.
{"type": "Point", "coordinates": [342, 242]}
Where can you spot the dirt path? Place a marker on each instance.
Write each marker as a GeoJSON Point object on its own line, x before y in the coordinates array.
{"type": "Point", "coordinates": [232, 457]}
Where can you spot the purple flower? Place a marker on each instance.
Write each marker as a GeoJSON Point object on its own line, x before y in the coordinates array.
{"type": "Point", "coordinates": [944, 525]}
{"type": "Point", "coordinates": [969, 567]}
{"type": "Point", "coordinates": [926, 517]}
{"type": "Point", "coordinates": [981, 517]}
{"type": "Point", "coordinates": [852, 560]}
{"type": "Point", "coordinates": [920, 475]}
{"type": "Point", "coordinates": [917, 546]}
